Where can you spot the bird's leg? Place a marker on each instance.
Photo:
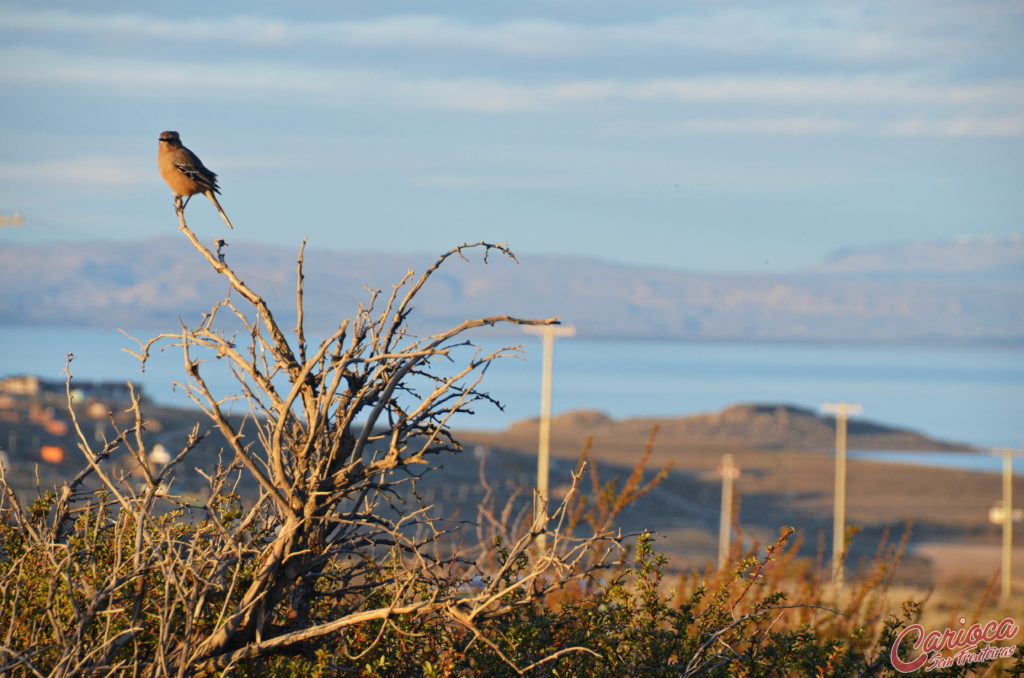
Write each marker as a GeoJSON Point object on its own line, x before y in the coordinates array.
{"type": "Point", "coordinates": [187, 198]}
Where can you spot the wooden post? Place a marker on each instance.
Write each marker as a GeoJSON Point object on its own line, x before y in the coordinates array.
{"type": "Point", "coordinates": [842, 412]}
{"type": "Point", "coordinates": [730, 472]}
{"type": "Point", "coordinates": [548, 334]}
{"type": "Point", "coordinates": [1005, 570]}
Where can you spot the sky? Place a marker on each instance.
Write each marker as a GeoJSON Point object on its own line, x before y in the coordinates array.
{"type": "Point", "coordinates": [720, 136]}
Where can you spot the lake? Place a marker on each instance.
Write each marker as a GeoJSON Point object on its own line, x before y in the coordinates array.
{"type": "Point", "coordinates": [973, 395]}
{"type": "Point", "coordinates": [962, 461]}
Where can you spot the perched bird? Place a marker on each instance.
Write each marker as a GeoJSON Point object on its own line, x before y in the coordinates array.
{"type": "Point", "coordinates": [185, 173]}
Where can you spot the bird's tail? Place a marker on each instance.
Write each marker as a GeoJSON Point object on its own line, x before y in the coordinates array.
{"type": "Point", "coordinates": [220, 210]}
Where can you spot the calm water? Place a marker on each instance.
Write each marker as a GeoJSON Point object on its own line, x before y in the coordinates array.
{"type": "Point", "coordinates": [974, 395]}
{"type": "Point", "coordinates": [981, 463]}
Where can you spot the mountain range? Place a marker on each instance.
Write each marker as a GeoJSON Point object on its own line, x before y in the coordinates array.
{"type": "Point", "coordinates": [959, 291]}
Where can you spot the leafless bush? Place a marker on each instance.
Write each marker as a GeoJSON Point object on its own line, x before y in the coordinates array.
{"type": "Point", "coordinates": [108, 576]}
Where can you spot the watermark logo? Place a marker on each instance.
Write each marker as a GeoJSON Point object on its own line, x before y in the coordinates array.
{"type": "Point", "coordinates": [952, 647]}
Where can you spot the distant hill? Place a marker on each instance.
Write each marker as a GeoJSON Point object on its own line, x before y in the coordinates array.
{"type": "Point", "coordinates": [969, 290]}
{"type": "Point", "coordinates": [760, 426]}
{"type": "Point", "coordinates": [982, 255]}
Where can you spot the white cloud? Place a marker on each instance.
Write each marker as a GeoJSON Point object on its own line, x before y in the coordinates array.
{"type": "Point", "coordinates": [481, 181]}
{"type": "Point", "coordinates": [320, 86]}
{"type": "Point", "coordinates": [520, 38]}
{"type": "Point", "coordinates": [822, 89]}
{"type": "Point", "coordinates": [871, 32]}
{"type": "Point", "coordinates": [92, 171]}
{"type": "Point", "coordinates": [774, 126]}
{"type": "Point", "coordinates": [958, 128]}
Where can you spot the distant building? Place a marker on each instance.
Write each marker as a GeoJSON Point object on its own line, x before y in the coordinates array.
{"type": "Point", "coordinates": [51, 454]}
{"type": "Point", "coordinates": [21, 385]}
{"type": "Point", "coordinates": [159, 455]}
{"type": "Point", "coordinates": [29, 386]}
{"type": "Point", "coordinates": [97, 410]}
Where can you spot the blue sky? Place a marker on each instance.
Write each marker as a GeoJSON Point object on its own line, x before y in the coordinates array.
{"type": "Point", "coordinates": [703, 135]}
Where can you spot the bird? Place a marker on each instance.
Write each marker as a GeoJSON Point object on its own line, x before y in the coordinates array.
{"type": "Point", "coordinates": [186, 174]}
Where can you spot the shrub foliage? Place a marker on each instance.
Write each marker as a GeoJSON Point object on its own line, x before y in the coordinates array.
{"type": "Point", "coordinates": [312, 553]}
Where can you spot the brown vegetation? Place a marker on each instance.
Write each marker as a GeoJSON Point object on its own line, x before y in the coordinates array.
{"type": "Point", "coordinates": [339, 565]}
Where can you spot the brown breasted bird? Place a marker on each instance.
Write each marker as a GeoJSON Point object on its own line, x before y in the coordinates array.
{"type": "Point", "coordinates": [185, 173]}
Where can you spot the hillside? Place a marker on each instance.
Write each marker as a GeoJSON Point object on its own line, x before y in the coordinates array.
{"type": "Point", "coordinates": [952, 292]}
{"type": "Point", "coordinates": [745, 426]}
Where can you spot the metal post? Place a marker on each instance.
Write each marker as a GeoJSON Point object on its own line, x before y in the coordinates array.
{"type": "Point", "coordinates": [842, 412]}
{"type": "Point", "coordinates": [544, 444]}
{"type": "Point", "coordinates": [729, 473]}
{"type": "Point", "coordinates": [548, 332]}
{"type": "Point", "coordinates": [839, 513]}
{"type": "Point", "coordinates": [1007, 523]}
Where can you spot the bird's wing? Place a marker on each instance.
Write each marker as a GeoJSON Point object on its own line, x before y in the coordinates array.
{"type": "Point", "coordinates": [188, 164]}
